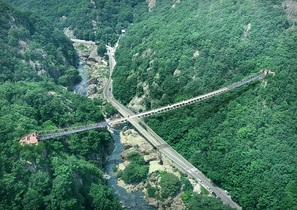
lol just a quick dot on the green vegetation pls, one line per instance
(136, 171)
(59, 174)
(170, 185)
(98, 20)
(62, 173)
(205, 203)
(243, 140)
(187, 189)
(151, 191)
(204, 191)
(31, 50)
(187, 186)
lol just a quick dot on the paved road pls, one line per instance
(159, 143)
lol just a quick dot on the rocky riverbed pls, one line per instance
(96, 68)
(133, 142)
(131, 195)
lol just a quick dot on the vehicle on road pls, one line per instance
(214, 194)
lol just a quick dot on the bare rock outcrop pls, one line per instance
(151, 4)
(133, 142)
(151, 157)
(153, 202)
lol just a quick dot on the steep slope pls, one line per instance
(245, 141)
(31, 49)
(97, 20)
(189, 49)
(63, 173)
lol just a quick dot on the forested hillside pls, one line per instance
(63, 173)
(32, 49)
(245, 140)
(97, 20)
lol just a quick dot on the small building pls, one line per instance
(29, 139)
(123, 31)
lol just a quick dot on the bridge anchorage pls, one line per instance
(35, 137)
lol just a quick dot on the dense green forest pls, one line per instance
(136, 171)
(33, 50)
(244, 140)
(98, 20)
(59, 174)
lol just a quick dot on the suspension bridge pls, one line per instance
(44, 135)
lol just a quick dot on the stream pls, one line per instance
(130, 200)
(81, 88)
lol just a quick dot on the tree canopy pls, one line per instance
(64, 173)
(136, 171)
(243, 140)
(33, 50)
(98, 20)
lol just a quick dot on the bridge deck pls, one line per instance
(44, 135)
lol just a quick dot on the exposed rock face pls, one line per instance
(69, 33)
(93, 81)
(92, 89)
(151, 157)
(175, 2)
(247, 30)
(136, 104)
(97, 69)
(151, 4)
(176, 73)
(96, 83)
(196, 54)
(106, 150)
(153, 202)
(133, 142)
(291, 9)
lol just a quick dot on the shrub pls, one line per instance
(134, 173)
(170, 184)
(151, 191)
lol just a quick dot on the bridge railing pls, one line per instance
(196, 99)
(43, 135)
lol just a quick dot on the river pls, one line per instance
(81, 88)
(131, 200)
